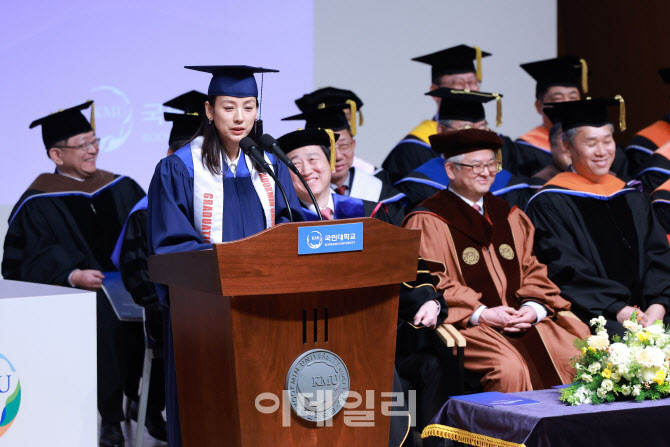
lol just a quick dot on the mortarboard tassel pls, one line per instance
(352, 121)
(333, 149)
(92, 115)
(585, 76)
(360, 117)
(478, 60)
(498, 109)
(622, 113)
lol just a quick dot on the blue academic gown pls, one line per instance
(170, 227)
(431, 177)
(346, 207)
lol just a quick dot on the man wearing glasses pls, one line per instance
(456, 67)
(62, 231)
(346, 179)
(498, 294)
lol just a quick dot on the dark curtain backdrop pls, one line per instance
(625, 42)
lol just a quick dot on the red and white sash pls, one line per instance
(208, 195)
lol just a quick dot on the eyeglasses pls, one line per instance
(95, 142)
(483, 126)
(492, 166)
(343, 146)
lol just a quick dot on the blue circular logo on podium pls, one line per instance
(314, 240)
(10, 394)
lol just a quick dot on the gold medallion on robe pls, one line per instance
(506, 252)
(470, 256)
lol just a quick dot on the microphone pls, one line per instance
(271, 146)
(248, 146)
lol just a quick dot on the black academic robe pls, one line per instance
(660, 203)
(130, 257)
(418, 357)
(655, 171)
(61, 224)
(645, 142)
(602, 245)
(411, 152)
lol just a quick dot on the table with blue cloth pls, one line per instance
(553, 423)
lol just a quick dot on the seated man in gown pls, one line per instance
(62, 231)
(498, 293)
(313, 152)
(597, 235)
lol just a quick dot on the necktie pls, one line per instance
(477, 208)
(341, 189)
(327, 213)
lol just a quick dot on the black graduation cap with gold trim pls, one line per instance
(232, 80)
(64, 124)
(453, 60)
(567, 71)
(587, 112)
(185, 125)
(333, 96)
(665, 74)
(325, 138)
(330, 117)
(465, 105)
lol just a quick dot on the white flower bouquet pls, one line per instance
(635, 366)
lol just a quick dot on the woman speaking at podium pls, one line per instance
(209, 191)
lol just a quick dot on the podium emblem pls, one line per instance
(317, 385)
(314, 240)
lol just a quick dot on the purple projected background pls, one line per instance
(128, 56)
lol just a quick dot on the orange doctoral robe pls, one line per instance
(477, 258)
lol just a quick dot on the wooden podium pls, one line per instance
(245, 310)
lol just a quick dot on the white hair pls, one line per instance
(456, 159)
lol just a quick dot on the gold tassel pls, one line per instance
(93, 116)
(360, 117)
(585, 76)
(498, 109)
(321, 105)
(352, 120)
(333, 149)
(463, 436)
(622, 113)
(478, 61)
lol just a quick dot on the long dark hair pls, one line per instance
(212, 147)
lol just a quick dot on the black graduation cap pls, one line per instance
(64, 124)
(325, 138)
(587, 112)
(327, 96)
(568, 71)
(185, 125)
(333, 96)
(465, 105)
(192, 102)
(331, 117)
(232, 80)
(665, 74)
(454, 60)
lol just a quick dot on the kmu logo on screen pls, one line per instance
(10, 394)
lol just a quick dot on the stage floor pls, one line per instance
(130, 433)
